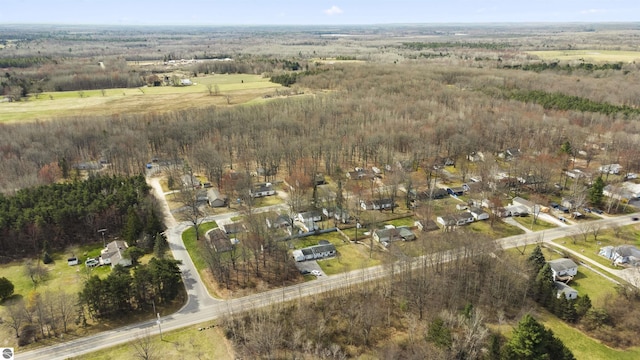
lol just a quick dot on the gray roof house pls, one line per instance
(623, 254)
(113, 254)
(563, 268)
(314, 252)
(215, 199)
(219, 240)
(566, 290)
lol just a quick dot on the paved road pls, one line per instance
(201, 307)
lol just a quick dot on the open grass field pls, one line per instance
(629, 235)
(187, 343)
(240, 89)
(68, 279)
(583, 346)
(588, 55)
(499, 230)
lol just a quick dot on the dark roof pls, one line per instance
(219, 240)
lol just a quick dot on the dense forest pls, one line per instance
(57, 215)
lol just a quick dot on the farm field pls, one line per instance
(588, 55)
(234, 89)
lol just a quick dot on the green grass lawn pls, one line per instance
(406, 221)
(590, 248)
(191, 244)
(187, 343)
(499, 229)
(538, 226)
(583, 346)
(240, 88)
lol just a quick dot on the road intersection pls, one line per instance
(201, 307)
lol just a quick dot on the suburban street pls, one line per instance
(201, 307)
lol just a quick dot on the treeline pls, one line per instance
(22, 62)
(559, 101)
(455, 44)
(439, 311)
(61, 214)
(120, 293)
(542, 66)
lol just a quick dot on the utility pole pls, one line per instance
(102, 231)
(158, 318)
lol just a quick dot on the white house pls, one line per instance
(478, 214)
(566, 290)
(611, 169)
(623, 254)
(377, 204)
(314, 252)
(262, 189)
(518, 201)
(309, 216)
(114, 255)
(562, 268)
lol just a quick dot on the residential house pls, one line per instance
(613, 169)
(377, 204)
(314, 216)
(386, 235)
(626, 191)
(426, 225)
(455, 191)
(278, 221)
(315, 252)
(623, 254)
(569, 203)
(360, 174)
(307, 225)
(190, 181)
(405, 233)
(234, 228)
(218, 240)
(514, 210)
(262, 189)
(114, 255)
(566, 290)
(563, 268)
(475, 156)
(478, 214)
(529, 205)
(434, 193)
(458, 219)
(215, 199)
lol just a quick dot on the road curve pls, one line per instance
(201, 309)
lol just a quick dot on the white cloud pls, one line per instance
(334, 10)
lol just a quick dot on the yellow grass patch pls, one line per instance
(233, 89)
(588, 55)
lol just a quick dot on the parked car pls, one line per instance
(316, 272)
(587, 210)
(635, 218)
(305, 272)
(554, 205)
(597, 211)
(91, 262)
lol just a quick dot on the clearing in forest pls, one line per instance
(224, 90)
(588, 55)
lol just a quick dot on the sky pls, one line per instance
(312, 12)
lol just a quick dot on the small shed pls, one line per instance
(566, 290)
